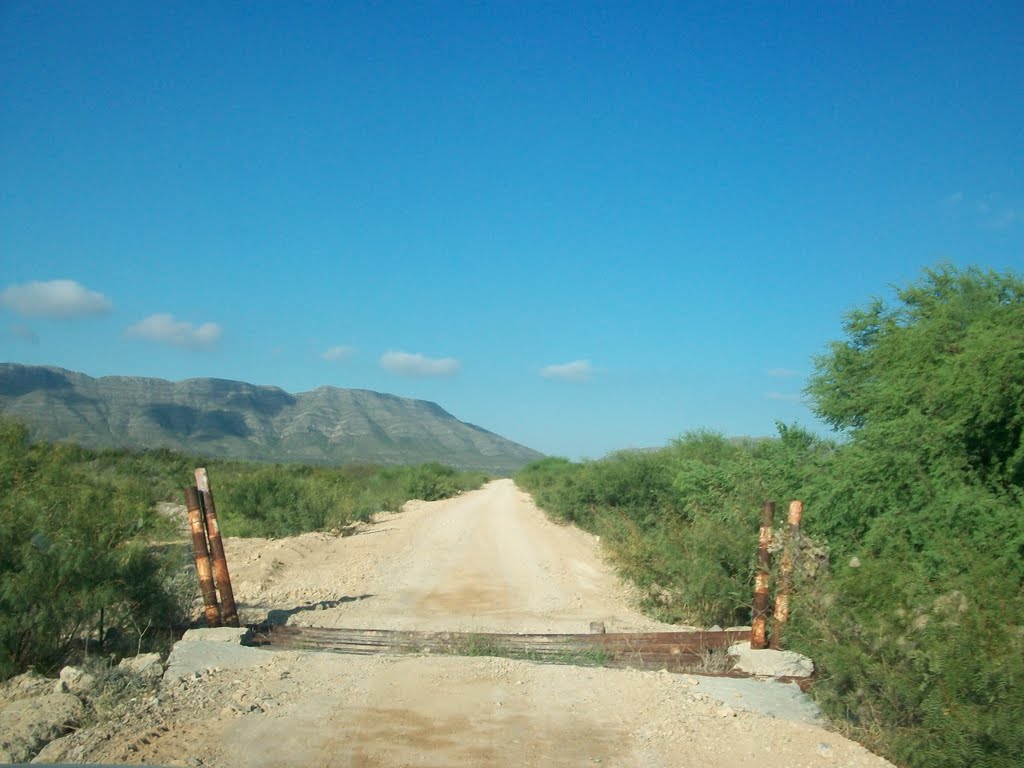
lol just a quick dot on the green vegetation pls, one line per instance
(680, 521)
(80, 540)
(910, 592)
(485, 645)
(286, 499)
(71, 545)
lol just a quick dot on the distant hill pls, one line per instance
(232, 419)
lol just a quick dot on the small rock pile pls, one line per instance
(38, 713)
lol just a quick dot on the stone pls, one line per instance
(146, 665)
(267, 703)
(75, 680)
(59, 750)
(27, 679)
(28, 725)
(27, 684)
(770, 663)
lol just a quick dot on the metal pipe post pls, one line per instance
(759, 629)
(786, 566)
(202, 553)
(220, 561)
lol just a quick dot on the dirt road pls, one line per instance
(489, 561)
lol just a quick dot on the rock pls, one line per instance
(146, 665)
(24, 685)
(267, 703)
(28, 725)
(57, 751)
(824, 749)
(75, 680)
(769, 663)
(727, 712)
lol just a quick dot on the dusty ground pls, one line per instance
(489, 561)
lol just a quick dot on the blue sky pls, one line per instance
(582, 226)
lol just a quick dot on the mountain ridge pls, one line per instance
(223, 418)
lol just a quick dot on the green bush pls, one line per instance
(284, 499)
(682, 522)
(917, 624)
(927, 495)
(79, 537)
(71, 546)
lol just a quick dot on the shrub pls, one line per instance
(917, 626)
(78, 532)
(71, 546)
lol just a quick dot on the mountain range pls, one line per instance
(217, 418)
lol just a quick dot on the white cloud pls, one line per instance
(56, 299)
(577, 370)
(989, 212)
(785, 397)
(339, 353)
(165, 329)
(783, 373)
(1006, 218)
(24, 333)
(407, 364)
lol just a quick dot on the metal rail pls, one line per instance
(675, 651)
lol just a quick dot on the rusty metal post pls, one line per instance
(796, 515)
(781, 613)
(202, 553)
(759, 629)
(220, 561)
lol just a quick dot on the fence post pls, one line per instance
(759, 630)
(781, 614)
(220, 561)
(202, 553)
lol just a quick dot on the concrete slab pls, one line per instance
(231, 635)
(204, 649)
(767, 697)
